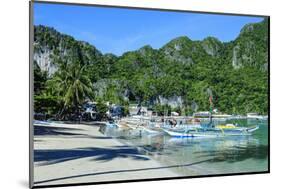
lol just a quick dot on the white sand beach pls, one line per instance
(72, 153)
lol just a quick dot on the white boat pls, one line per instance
(221, 116)
(255, 116)
(134, 128)
(149, 130)
(180, 126)
(213, 132)
(186, 134)
(202, 114)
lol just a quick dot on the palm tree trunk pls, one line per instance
(60, 113)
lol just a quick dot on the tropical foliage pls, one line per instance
(235, 72)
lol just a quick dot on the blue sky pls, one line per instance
(117, 30)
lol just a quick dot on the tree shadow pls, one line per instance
(236, 153)
(47, 157)
(48, 130)
(92, 137)
(123, 171)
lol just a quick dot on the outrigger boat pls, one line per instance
(210, 130)
(180, 126)
(217, 131)
(138, 128)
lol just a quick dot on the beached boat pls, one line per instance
(150, 130)
(217, 131)
(135, 127)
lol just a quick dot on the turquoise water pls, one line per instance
(192, 156)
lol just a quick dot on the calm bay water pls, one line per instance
(194, 156)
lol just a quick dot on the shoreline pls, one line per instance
(77, 153)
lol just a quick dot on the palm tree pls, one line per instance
(72, 84)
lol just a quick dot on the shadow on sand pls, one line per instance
(122, 171)
(47, 157)
(48, 130)
(55, 131)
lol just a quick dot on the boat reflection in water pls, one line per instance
(203, 156)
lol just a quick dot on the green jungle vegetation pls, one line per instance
(234, 73)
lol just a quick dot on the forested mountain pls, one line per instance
(181, 74)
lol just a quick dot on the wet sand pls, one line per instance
(72, 153)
